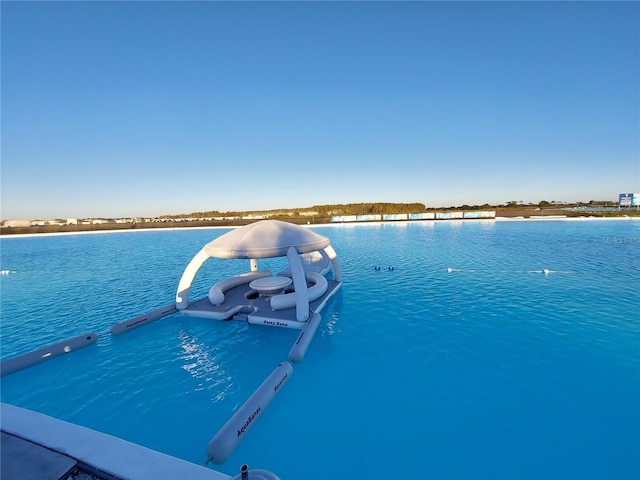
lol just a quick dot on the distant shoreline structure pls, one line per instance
(329, 214)
(546, 218)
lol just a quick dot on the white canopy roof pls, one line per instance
(265, 239)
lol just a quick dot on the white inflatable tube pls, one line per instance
(299, 284)
(140, 320)
(299, 349)
(20, 362)
(322, 304)
(229, 436)
(288, 300)
(335, 263)
(184, 287)
(216, 293)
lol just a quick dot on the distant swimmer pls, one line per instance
(376, 268)
(390, 268)
(546, 271)
(449, 269)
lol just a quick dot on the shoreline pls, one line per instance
(541, 218)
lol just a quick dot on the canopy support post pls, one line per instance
(300, 285)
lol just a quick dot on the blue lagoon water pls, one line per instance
(466, 360)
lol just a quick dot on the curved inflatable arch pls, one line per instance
(315, 291)
(216, 293)
(184, 286)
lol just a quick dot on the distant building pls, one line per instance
(17, 223)
(629, 200)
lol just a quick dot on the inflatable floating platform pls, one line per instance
(287, 299)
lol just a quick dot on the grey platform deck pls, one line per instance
(24, 460)
(236, 296)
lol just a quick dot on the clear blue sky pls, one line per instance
(151, 108)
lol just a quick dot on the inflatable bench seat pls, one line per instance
(315, 291)
(216, 293)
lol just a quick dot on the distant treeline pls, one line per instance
(368, 208)
(380, 208)
(322, 210)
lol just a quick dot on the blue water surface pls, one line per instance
(491, 350)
